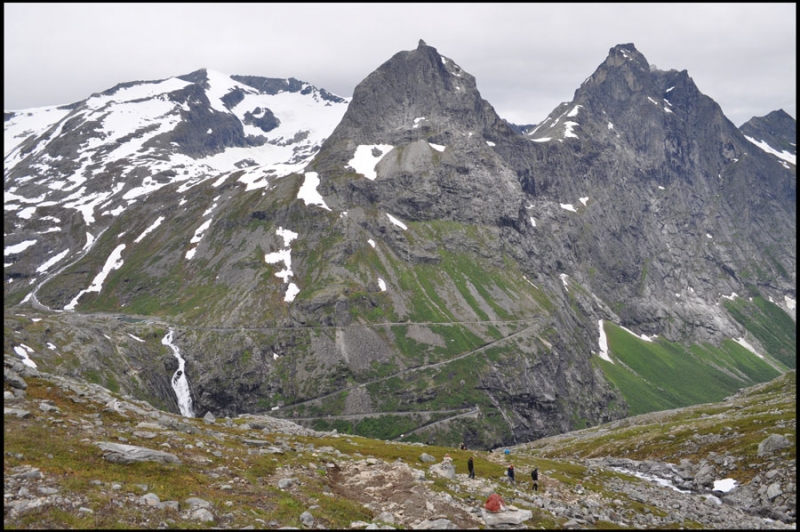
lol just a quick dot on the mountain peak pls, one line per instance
(626, 54)
(411, 85)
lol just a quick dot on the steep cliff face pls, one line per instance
(426, 262)
(677, 202)
(436, 132)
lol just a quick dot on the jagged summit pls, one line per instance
(412, 93)
(421, 114)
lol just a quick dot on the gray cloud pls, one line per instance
(527, 58)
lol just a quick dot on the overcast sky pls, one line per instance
(526, 58)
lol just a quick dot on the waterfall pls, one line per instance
(179, 381)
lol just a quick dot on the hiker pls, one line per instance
(511, 473)
(535, 479)
(463, 447)
(471, 467)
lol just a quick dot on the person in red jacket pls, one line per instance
(511, 473)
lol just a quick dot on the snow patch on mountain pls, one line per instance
(285, 256)
(198, 236)
(367, 157)
(603, 343)
(114, 262)
(24, 352)
(744, 343)
(308, 191)
(18, 248)
(784, 155)
(28, 123)
(397, 222)
(52, 262)
(149, 230)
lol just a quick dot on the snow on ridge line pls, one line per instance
(574, 111)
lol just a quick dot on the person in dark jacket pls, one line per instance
(535, 479)
(471, 467)
(511, 473)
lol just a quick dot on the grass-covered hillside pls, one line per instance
(656, 374)
(261, 472)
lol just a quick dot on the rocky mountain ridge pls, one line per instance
(426, 262)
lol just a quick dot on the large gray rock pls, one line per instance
(196, 502)
(509, 517)
(774, 442)
(18, 412)
(127, 454)
(445, 469)
(307, 519)
(202, 514)
(13, 379)
(436, 524)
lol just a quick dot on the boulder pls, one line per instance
(436, 524)
(307, 519)
(196, 502)
(774, 442)
(445, 469)
(127, 454)
(508, 517)
(16, 412)
(202, 514)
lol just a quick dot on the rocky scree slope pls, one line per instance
(77, 455)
